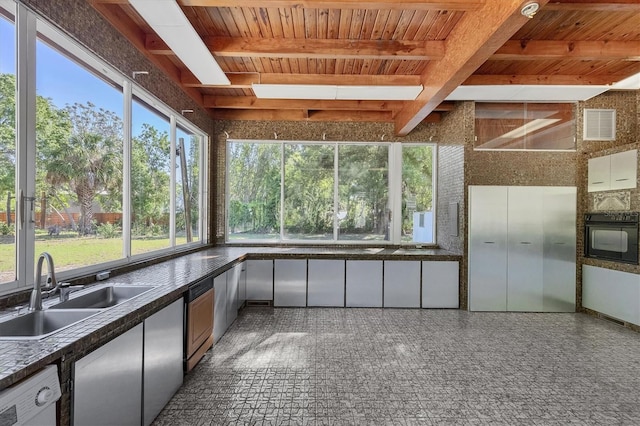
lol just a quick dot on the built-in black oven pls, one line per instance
(612, 236)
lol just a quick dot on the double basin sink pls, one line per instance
(38, 324)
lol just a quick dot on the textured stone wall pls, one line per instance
(627, 106)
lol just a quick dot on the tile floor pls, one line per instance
(405, 367)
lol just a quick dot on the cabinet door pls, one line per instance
(200, 321)
(559, 223)
(624, 166)
(233, 280)
(599, 173)
(219, 306)
(524, 254)
(364, 283)
(259, 279)
(290, 282)
(325, 283)
(107, 386)
(242, 285)
(440, 284)
(613, 293)
(163, 355)
(401, 284)
(487, 248)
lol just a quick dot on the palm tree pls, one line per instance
(89, 162)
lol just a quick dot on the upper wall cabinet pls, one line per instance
(615, 171)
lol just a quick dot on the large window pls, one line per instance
(330, 192)
(93, 169)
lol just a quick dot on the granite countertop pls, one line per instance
(21, 358)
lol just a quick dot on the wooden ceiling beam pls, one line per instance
(482, 80)
(476, 37)
(531, 50)
(244, 81)
(251, 102)
(594, 5)
(409, 50)
(312, 115)
(342, 4)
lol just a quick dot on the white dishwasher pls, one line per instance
(31, 402)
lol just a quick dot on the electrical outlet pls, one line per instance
(102, 275)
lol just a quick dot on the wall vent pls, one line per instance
(599, 125)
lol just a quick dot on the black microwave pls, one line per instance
(612, 236)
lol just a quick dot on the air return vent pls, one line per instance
(599, 124)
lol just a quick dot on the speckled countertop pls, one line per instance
(20, 358)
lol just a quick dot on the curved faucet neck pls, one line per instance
(35, 302)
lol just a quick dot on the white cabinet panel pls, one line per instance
(107, 386)
(522, 247)
(219, 306)
(163, 356)
(599, 173)
(559, 249)
(624, 167)
(401, 284)
(615, 171)
(364, 283)
(233, 282)
(524, 250)
(290, 282)
(612, 293)
(242, 285)
(440, 284)
(487, 248)
(325, 282)
(259, 279)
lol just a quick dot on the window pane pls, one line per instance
(7, 145)
(417, 193)
(78, 211)
(308, 191)
(363, 186)
(531, 126)
(150, 179)
(254, 191)
(187, 186)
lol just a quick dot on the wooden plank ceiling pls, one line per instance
(438, 44)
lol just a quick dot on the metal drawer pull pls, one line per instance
(525, 242)
(489, 242)
(559, 244)
(620, 180)
(597, 183)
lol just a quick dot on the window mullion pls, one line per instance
(126, 167)
(25, 143)
(172, 184)
(281, 191)
(336, 198)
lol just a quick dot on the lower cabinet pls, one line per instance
(364, 283)
(163, 356)
(219, 306)
(290, 283)
(132, 377)
(401, 284)
(440, 284)
(613, 293)
(107, 387)
(325, 283)
(259, 279)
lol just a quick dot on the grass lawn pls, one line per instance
(70, 253)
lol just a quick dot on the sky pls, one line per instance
(66, 83)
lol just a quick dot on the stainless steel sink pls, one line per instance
(39, 324)
(105, 297)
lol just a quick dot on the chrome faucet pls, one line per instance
(35, 304)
